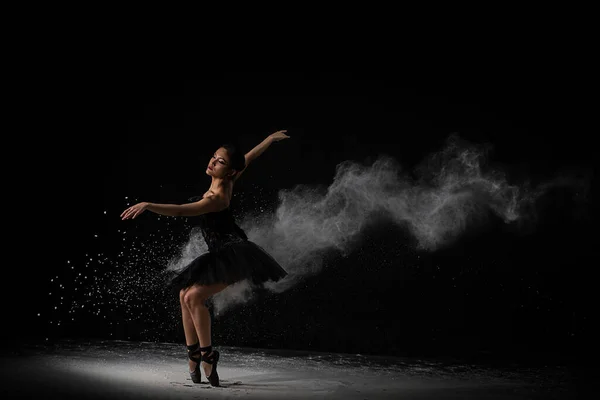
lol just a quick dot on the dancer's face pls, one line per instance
(219, 165)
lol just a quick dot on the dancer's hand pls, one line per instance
(134, 210)
(279, 135)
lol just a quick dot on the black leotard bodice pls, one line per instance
(219, 229)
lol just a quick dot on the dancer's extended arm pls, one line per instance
(261, 147)
(208, 204)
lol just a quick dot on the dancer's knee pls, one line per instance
(194, 297)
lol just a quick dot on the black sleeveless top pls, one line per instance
(219, 228)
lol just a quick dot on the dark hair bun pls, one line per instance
(236, 156)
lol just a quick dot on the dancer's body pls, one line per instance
(231, 256)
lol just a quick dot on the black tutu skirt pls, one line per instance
(243, 260)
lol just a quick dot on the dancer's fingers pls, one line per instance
(127, 213)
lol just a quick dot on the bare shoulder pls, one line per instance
(218, 201)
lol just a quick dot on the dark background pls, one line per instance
(496, 294)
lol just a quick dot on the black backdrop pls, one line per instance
(126, 135)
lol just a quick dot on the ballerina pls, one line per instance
(231, 257)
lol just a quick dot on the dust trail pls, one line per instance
(450, 192)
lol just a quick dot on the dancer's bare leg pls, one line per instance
(195, 298)
(188, 325)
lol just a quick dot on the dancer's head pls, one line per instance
(226, 162)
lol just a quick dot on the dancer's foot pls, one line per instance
(194, 362)
(209, 364)
(206, 366)
(193, 365)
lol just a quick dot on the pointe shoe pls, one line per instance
(211, 357)
(195, 374)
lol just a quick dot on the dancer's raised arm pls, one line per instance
(261, 147)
